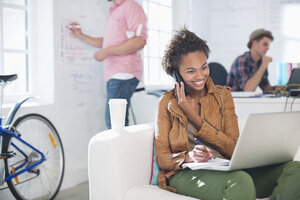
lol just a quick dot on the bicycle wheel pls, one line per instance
(44, 180)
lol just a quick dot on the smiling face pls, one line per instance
(262, 46)
(194, 71)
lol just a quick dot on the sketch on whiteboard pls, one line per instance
(82, 75)
(72, 50)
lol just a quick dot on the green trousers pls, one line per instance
(280, 181)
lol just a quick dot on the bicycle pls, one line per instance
(31, 154)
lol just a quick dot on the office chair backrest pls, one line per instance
(218, 73)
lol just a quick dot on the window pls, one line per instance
(14, 43)
(159, 13)
(26, 48)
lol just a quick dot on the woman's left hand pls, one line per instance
(101, 55)
(200, 153)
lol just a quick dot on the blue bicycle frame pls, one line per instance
(5, 131)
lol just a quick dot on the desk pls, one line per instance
(245, 106)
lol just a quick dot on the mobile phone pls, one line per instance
(178, 78)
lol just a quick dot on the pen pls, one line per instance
(74, 26)
(198, 142)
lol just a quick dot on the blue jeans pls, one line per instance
(119, 89)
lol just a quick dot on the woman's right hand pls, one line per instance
(74, 26)
(200, 153)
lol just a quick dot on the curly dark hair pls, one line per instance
(182, 43)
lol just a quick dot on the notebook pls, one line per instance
(266, 138)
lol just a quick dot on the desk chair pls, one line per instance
(131, 108)
(157, 93)
(218, 73)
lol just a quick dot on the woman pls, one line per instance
(207, 113)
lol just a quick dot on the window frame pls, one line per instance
(24, 51)
(167, 82)
(39, 51)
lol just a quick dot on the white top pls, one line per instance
(122, 76)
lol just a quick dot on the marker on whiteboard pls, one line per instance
(74, 26)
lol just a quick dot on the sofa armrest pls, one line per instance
(119, 160)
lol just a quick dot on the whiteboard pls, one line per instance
(226, 25)
(81, 82)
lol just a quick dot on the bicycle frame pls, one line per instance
(5, 131)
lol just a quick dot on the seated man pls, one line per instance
(250, 69)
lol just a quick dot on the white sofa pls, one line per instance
(119, 166)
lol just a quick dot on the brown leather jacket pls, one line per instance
(219, 129)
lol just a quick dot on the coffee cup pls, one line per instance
(117, 108)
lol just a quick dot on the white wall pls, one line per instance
(226, 25)
(180, 13)
(79, 86)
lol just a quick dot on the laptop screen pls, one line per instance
(295, 77)
(294, 81)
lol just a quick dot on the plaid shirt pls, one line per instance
(242, 69)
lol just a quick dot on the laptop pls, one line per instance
(292, 87)
(294, 81)
(266, 139)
